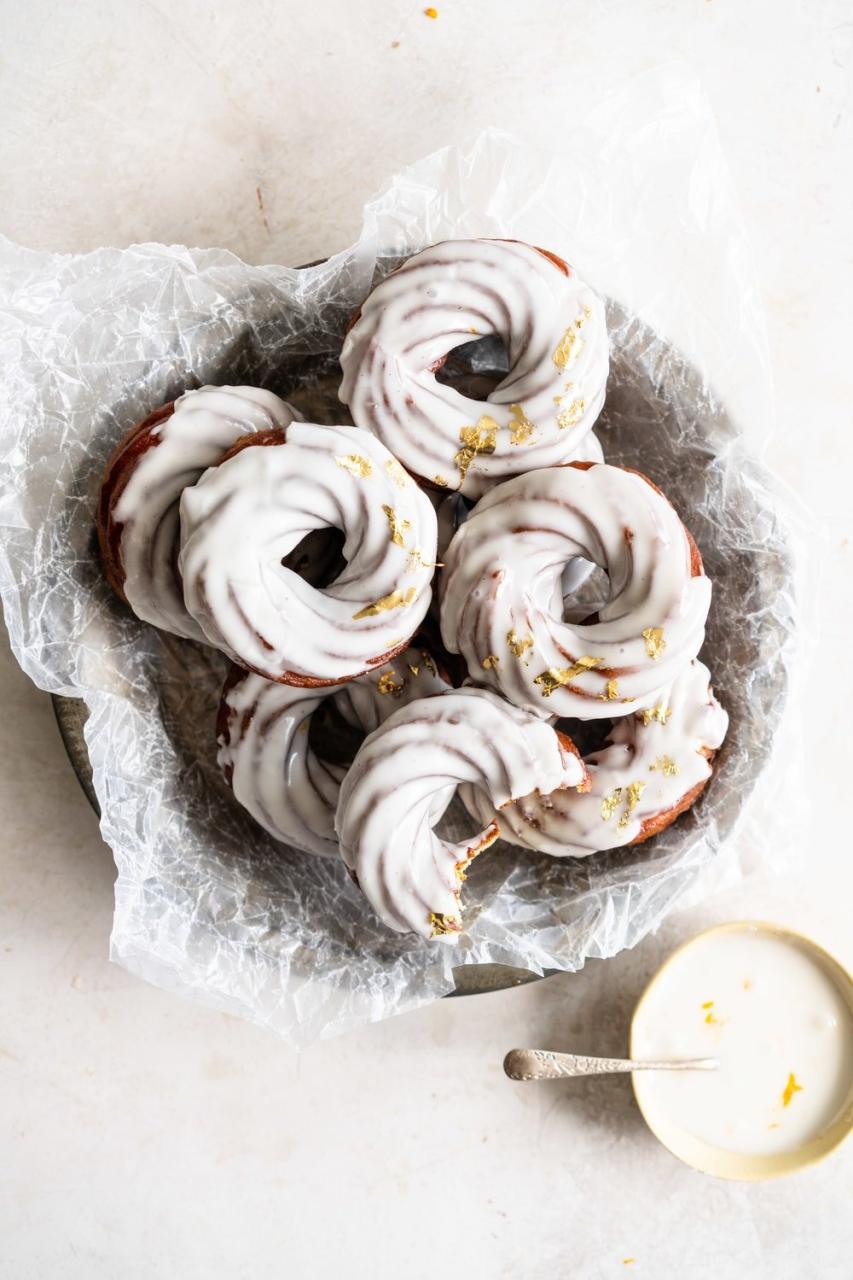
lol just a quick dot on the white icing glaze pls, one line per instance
(266, 755)
(404, 776)
(502, 602)
(203, 426)
(244, 516)
(367, 702)
(779, 1022)
(652, 760)
(554, 329)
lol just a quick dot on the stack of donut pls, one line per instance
(211, 521)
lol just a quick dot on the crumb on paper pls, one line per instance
(790, 1089)
(395, 44)
(260, 199)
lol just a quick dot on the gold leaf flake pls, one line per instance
(428, 662)
(477, 440)
(655, 643)
(398, 527)
(558, 400)
(611, 691)
(667, 766)
(521, 427)
(416, 561)
(443, 924)
(633, 791)
(476, 332)
(356, 465)
(387, 684)
(661, 713)
(790, 1089)
(555, 677)
(571, 417)
(611, 803)
(708, 1004)
(395, 600)
(414, 668)
(518, 646)
(491, 661)
(569, 345)
(440, 481)
(397, 474)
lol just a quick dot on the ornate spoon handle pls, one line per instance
(541, 1064)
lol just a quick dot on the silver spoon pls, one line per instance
(542, 1064)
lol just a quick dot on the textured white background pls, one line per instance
(142, 1137)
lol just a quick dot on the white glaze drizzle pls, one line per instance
(367, 702)
(266, 753)
(204, 425)
(404, 776)
(502, 600)
(650, 762)
(554, 329)
(244, 516)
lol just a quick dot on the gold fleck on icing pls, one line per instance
(667, 766)
(661, 713)
(474, 330)
(710, 1019)
(708, 1004)
(356, 465)
(395, 600)
(480, 439)
(414, 668)
(558, 400)
(397, 474)
(571, 417)
(428, 662)
(440, 481)
(555, 677)
(791, 1088)
(611, 691)
(416, 561)
(518, 646)
(521, 427)
(655, 643)
(387, 684)
(398, 527)
(633, 791)
(611, 803)
(491, 661)
(563, 351)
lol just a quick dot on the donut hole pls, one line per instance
(587, 735)
(585, 589)
(318, 557)
(475, 368)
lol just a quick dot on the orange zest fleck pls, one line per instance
(790, 1089)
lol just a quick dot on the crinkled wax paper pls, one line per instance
(206, 903)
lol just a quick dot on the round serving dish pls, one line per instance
(661, 418)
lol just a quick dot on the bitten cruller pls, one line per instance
(653, 767)
(403, 778)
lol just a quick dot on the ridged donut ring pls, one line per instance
(265, 752)
(653, 767)
(246, 514)
(145, 477)
(555, 334)
(403, 778)
(502, 599)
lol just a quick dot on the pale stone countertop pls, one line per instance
(145, 1137)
